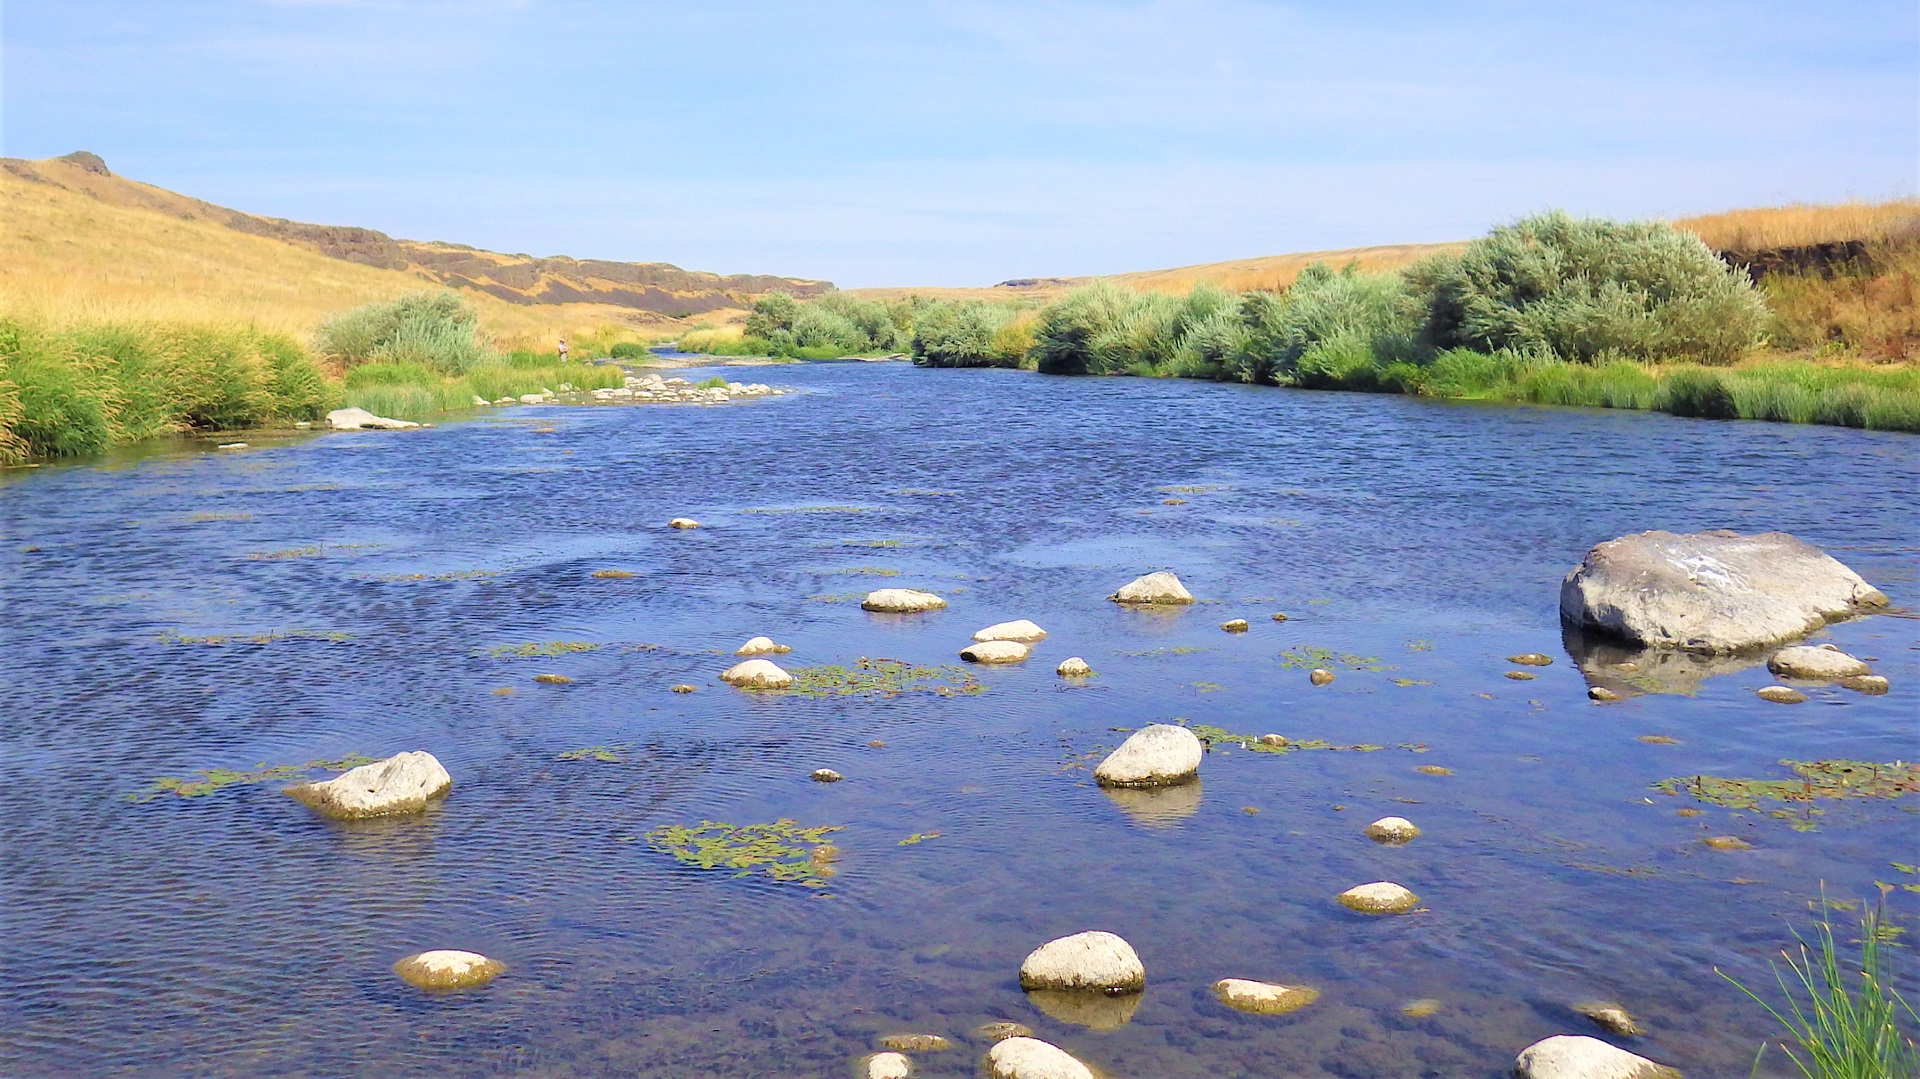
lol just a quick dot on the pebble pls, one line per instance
(1392, 830)
(1320, 676)
(1073, 667)
(1531, 659)
(1780, 694)
(1263, 998)
(1234, 625)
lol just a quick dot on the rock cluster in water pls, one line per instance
(653, 389)
(403, 783)
(1711, 592)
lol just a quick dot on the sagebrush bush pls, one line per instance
(963, 335)
(437, 329)
(1360, 310)
(1581, 288)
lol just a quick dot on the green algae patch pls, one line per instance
(601, 754)
(870, 543)
(1796, 799)
(1405, 682)
(456, 575)
(208, 518)
(334, 636)
(1220, 736)
(1307, 657)
(919, 837)
(1154, 653)
(782, 851)
(810, 509)
(540, 649)
(210, 780)
(871, 677)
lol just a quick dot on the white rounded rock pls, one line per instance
(1161, 587)
(1568, 1056)
(1816, 664)
(1031, 1058)
(761, 646)
(1092, 961)
(683, 522)
(1263, 998)
(1073, 667)
(901, 601)
(1020, 630)
(448, 969)
(995, 652)
(403, 783)
(359, 419)
(888, 1066)
(757, 674)
(1153, 756)
(1392, 830)
(1379, 897)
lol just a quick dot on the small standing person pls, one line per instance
(563, 350)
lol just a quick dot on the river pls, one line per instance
(300, 599)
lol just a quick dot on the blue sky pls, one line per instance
(938, 143)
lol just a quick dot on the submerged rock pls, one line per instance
(1531, 659)
(359, 419)
(1380, 897)
(683, 522)
(1568, 1056)
(1263, 998)
(403, 783)
(1153, 756)
(1392, 831)
(446, 969)
(1816, 664)
(757, 674)
(1001, 1030)
(915, 1043)
(1726, 842)
(1073, 667)
(1711, 591)
(1094, 961)
(1610, 1016)
(1421, 1009)
(901, 601)
(1161, 587)
(1870, 684)
(1780, 694)
(761, 646)
(1031, 1058)
(1020, 630)
(1320, 676)
(995, 652)
(888, 1066)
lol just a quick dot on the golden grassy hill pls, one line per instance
(78, 242)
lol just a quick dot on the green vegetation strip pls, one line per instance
(1812, 782)
(601, 754)
(1251, 742)
(209, 780)
(540, 649)
(1304, 657)
(336, 636)
(780, 850)
(882, 678)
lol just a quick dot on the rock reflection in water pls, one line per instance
(1096, 1011)
(1156, 807)
(1630, 670)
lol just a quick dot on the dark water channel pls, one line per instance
(236, 934)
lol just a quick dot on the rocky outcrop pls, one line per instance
(1073, 667)
(1566, 1056)
(761, 646)
(1084, 962)
(1711, 592)
(359, 419)
(1392, 831)
(1823, 664)
(995, 652)
(1379, 897)
(1030, 1058)
(1155, 588)
(403, 783)
(1021, 630)
(901, 601)
(1153, 756)
(448, 969)
(757, 674)
(1263, 998)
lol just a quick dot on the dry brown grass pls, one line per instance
(68, 257)
(1802, 224)
(1276, 271)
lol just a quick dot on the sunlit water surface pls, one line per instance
(236, 934)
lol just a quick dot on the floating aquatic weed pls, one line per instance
(871, 677)
(456, 575)
(870, 571)
(170, 637)
(207, 518)
(1150, 653)
(1902, 867)
(602, 754)
(779, 850)
(541, 649)
(837, 597)
(926, 492)
(1418, 645)
(1658, 740)
(1433, 770)
(1814, 781)
(1205, 687)
(919, 837)
(1191, 489)
(208, 780)
(1307, 657)
(1221, 736)
(313, 551)
(870, 543)
(1404, 682)
(811, 509)
(611, 574)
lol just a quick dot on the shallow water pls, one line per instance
(236, 934)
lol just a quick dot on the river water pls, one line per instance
(386, 573)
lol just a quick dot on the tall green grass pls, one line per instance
(433, 329)
(85, 388)
(1842, 1016)
(409, 391)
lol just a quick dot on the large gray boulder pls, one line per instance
(1567, 1056)
(1157, 588)
(359, 419)
(403, 783)
(1031, 1058)
(1711, 591)
(1084, 962)
(1153, 756)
